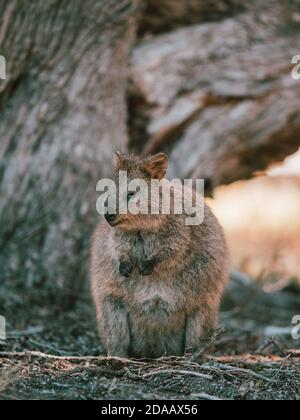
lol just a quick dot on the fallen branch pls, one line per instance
(177, 372)
(247, 359)
(40, 355)
(234, 369)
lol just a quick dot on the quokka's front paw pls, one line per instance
(147, 267)
(125, 268)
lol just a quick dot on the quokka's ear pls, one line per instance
(157, 166)
(118, 160)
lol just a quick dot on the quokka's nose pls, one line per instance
(110, 218)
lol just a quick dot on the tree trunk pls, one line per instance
(219, 97)
(62, 115)
(164, 15)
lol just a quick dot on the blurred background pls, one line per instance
(261, 220)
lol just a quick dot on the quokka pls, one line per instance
(156, 282)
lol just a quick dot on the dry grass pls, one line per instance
(211, 378)
(60, 360)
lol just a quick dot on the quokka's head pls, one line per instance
(134, 192)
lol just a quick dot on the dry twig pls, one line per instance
(205, 396)
(177, 372)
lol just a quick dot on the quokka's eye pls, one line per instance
(130, 195)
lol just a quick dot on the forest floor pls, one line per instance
(50, 355)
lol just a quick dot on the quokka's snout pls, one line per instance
(156, 282)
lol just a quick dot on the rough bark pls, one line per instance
(219, 97)
(62, 114)
(163, 15)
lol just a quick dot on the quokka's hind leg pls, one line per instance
(113, 327)
(199, 329)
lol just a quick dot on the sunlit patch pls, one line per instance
(262, 223)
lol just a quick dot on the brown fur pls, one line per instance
(156, 282)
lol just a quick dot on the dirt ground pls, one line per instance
(50, 355)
